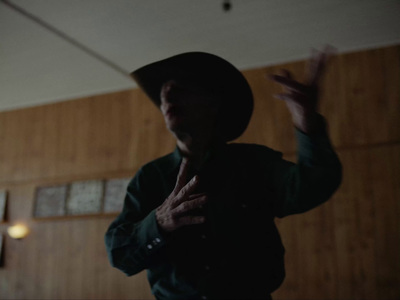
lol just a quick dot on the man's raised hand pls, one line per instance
(302, 98)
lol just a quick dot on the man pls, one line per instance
(201, 219)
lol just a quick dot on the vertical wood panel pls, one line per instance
(349, 248)
(98, 134)
(385, 170)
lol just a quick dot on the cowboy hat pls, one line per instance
(215, 73)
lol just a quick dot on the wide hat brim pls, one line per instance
(216, 74)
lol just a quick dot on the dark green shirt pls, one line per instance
(237, 253)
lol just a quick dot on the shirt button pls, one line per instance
(149, 246)
(157, 240)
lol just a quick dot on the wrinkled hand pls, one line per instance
(176, 210)
(302, 99)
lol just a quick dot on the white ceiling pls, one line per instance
(53, 50)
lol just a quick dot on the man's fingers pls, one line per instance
(190, 205)
(282, 96)
(316, 66)
(288, 83)
(186, 191)
(193, 196)
(318, 62)
(287, 74)
(182, 175)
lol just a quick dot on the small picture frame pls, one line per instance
(3, 205)
(85, 197)
(50, 201)
(114, 195)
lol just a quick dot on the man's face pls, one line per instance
(187, 107)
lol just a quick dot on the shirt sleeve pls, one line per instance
(313, 180)
(133, 241)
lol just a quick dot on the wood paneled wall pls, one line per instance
(349, 248)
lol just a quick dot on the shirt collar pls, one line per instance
(176, 156)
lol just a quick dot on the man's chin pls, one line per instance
(175, 127)
(175, 123)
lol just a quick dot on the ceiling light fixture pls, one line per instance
(226, 5)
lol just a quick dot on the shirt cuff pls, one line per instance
(150, 234)
(315, 149)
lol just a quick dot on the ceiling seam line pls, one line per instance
(66, 38)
